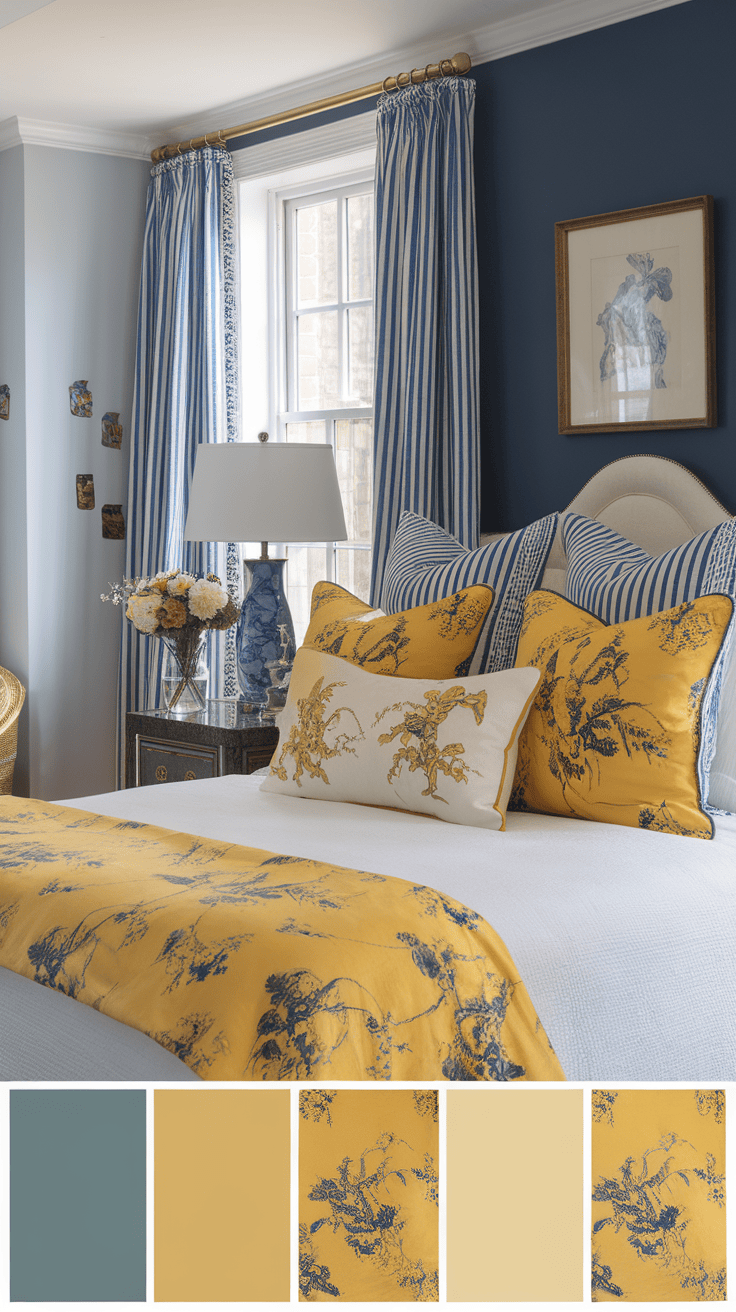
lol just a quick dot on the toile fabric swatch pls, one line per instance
(368, 1196)
(659, 1195)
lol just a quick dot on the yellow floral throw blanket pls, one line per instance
(252, 966)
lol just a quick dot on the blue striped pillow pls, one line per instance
(426, 563)
(616, 580)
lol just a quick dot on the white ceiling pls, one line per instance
(144, 66)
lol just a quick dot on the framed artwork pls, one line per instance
(636, 319)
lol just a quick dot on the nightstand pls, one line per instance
(162, 748)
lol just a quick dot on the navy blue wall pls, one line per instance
(632, 114)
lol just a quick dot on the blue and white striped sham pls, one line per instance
(616, 580)
(426, 563)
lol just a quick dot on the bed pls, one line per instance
(623, 938)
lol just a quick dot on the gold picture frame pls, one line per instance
(623, 363)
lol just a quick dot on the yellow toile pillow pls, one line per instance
(435, 641)
(443, 747)
(614, 732)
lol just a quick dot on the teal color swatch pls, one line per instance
(77, 1195)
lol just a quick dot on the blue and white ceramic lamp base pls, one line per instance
(264, 610)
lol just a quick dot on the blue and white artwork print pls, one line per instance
(635, 348)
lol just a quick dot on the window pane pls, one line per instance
(318, 361)
(306, 566)
(354, 571)
(360, 355)
(313, 431)
(354, 460)
(316, 247)
(360, 247)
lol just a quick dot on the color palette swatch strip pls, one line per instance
(375, 1195)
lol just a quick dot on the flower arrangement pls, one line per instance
(177, 607)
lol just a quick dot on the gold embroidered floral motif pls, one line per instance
(421, 724)
(307, 740)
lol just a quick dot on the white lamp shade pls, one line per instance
(264, 492)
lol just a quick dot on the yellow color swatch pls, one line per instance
(515, 1195)
(221, 1195)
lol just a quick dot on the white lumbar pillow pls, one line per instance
(443, 747)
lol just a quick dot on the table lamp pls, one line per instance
(267, 492)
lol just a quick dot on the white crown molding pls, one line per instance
(554, 21)
(310, 146)
(70, 136)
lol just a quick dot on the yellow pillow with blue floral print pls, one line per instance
(614, 731)
(435, 641)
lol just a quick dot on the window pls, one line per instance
(324, 379)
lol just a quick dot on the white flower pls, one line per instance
(180, 583)
(143, 612)
(205, 599)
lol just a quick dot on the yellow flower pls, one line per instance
(175, 613)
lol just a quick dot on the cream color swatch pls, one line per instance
(515, 1195)
(221, 1196)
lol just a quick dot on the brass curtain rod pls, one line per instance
(457, 66)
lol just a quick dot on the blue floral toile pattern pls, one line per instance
(371, 1195)
(250, 965)
(656, 1231)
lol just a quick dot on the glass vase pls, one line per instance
(184, 672)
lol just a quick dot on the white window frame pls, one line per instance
(283, 313)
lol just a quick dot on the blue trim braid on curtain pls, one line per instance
(427, 447)
(185, 393)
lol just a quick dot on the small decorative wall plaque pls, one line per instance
(80, 399)
(113, 524)
(4, 401)
(112, 431)
(85, 492)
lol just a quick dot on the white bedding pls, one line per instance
(625, 939)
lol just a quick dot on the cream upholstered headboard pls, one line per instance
(651, 500)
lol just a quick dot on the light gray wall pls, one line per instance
(82, 235)
(13, 554)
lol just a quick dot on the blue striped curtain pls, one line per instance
(185, 393)
(426, 398)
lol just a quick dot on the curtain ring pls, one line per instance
(421, 75)
(178, 148)
(384, 88)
